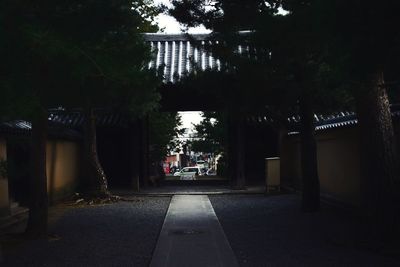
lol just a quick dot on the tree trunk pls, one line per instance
(282, 133)
(309, 163)
(379, 159)
(281, 128)
(240, 155)
(236, 151)
(38, 204)
(144, 151)
(134, 156)
(231, 151)
(96, 180)
(184, 159)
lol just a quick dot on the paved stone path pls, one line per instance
(192, 236)
(261, 230)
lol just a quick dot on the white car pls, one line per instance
(196, 170)
(201, 164)
(211, 171)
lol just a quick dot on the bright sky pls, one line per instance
(189, 118)
(170, 24)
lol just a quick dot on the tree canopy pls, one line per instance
(320, 51)
(82, 54)
(164, 130)
(210, 133)
(66, 54)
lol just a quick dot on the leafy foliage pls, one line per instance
(321, 55)
(59, 53)
(211, 133)
(164, 130)
(287, 53)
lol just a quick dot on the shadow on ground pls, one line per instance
(120, 234)
(272, 231)
(262, 231)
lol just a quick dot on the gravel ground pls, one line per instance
(176, 189)
(121, 234)
(191, 189)
(271, 231)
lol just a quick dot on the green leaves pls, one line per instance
(211, 133)
(69, 53)
(164, 132)
(289, 53)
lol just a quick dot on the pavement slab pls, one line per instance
(192, 236)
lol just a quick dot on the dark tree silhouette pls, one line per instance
(57, 53)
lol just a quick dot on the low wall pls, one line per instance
(62, 168)
(338, 164)
(4, 198)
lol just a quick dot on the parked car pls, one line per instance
(197, 170)
(173, 169)
(211, 171)
(201, 163)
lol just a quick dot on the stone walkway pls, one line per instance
(192, 236)
(261, 231)
(172, 190)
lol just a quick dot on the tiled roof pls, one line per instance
(75, 119)
(65, 124)
(20, 127)
(179, 54)
(15, 127)
(322, 122)
(336, 122)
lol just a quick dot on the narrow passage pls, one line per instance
(192, 236)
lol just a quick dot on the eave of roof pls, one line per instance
(24, 128)
(75, 119)
(180, 54)
(164, 37)
(323, 122)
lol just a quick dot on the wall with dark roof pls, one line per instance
(62, 165)
(338, 164)
(338, 160)
(62, 168)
